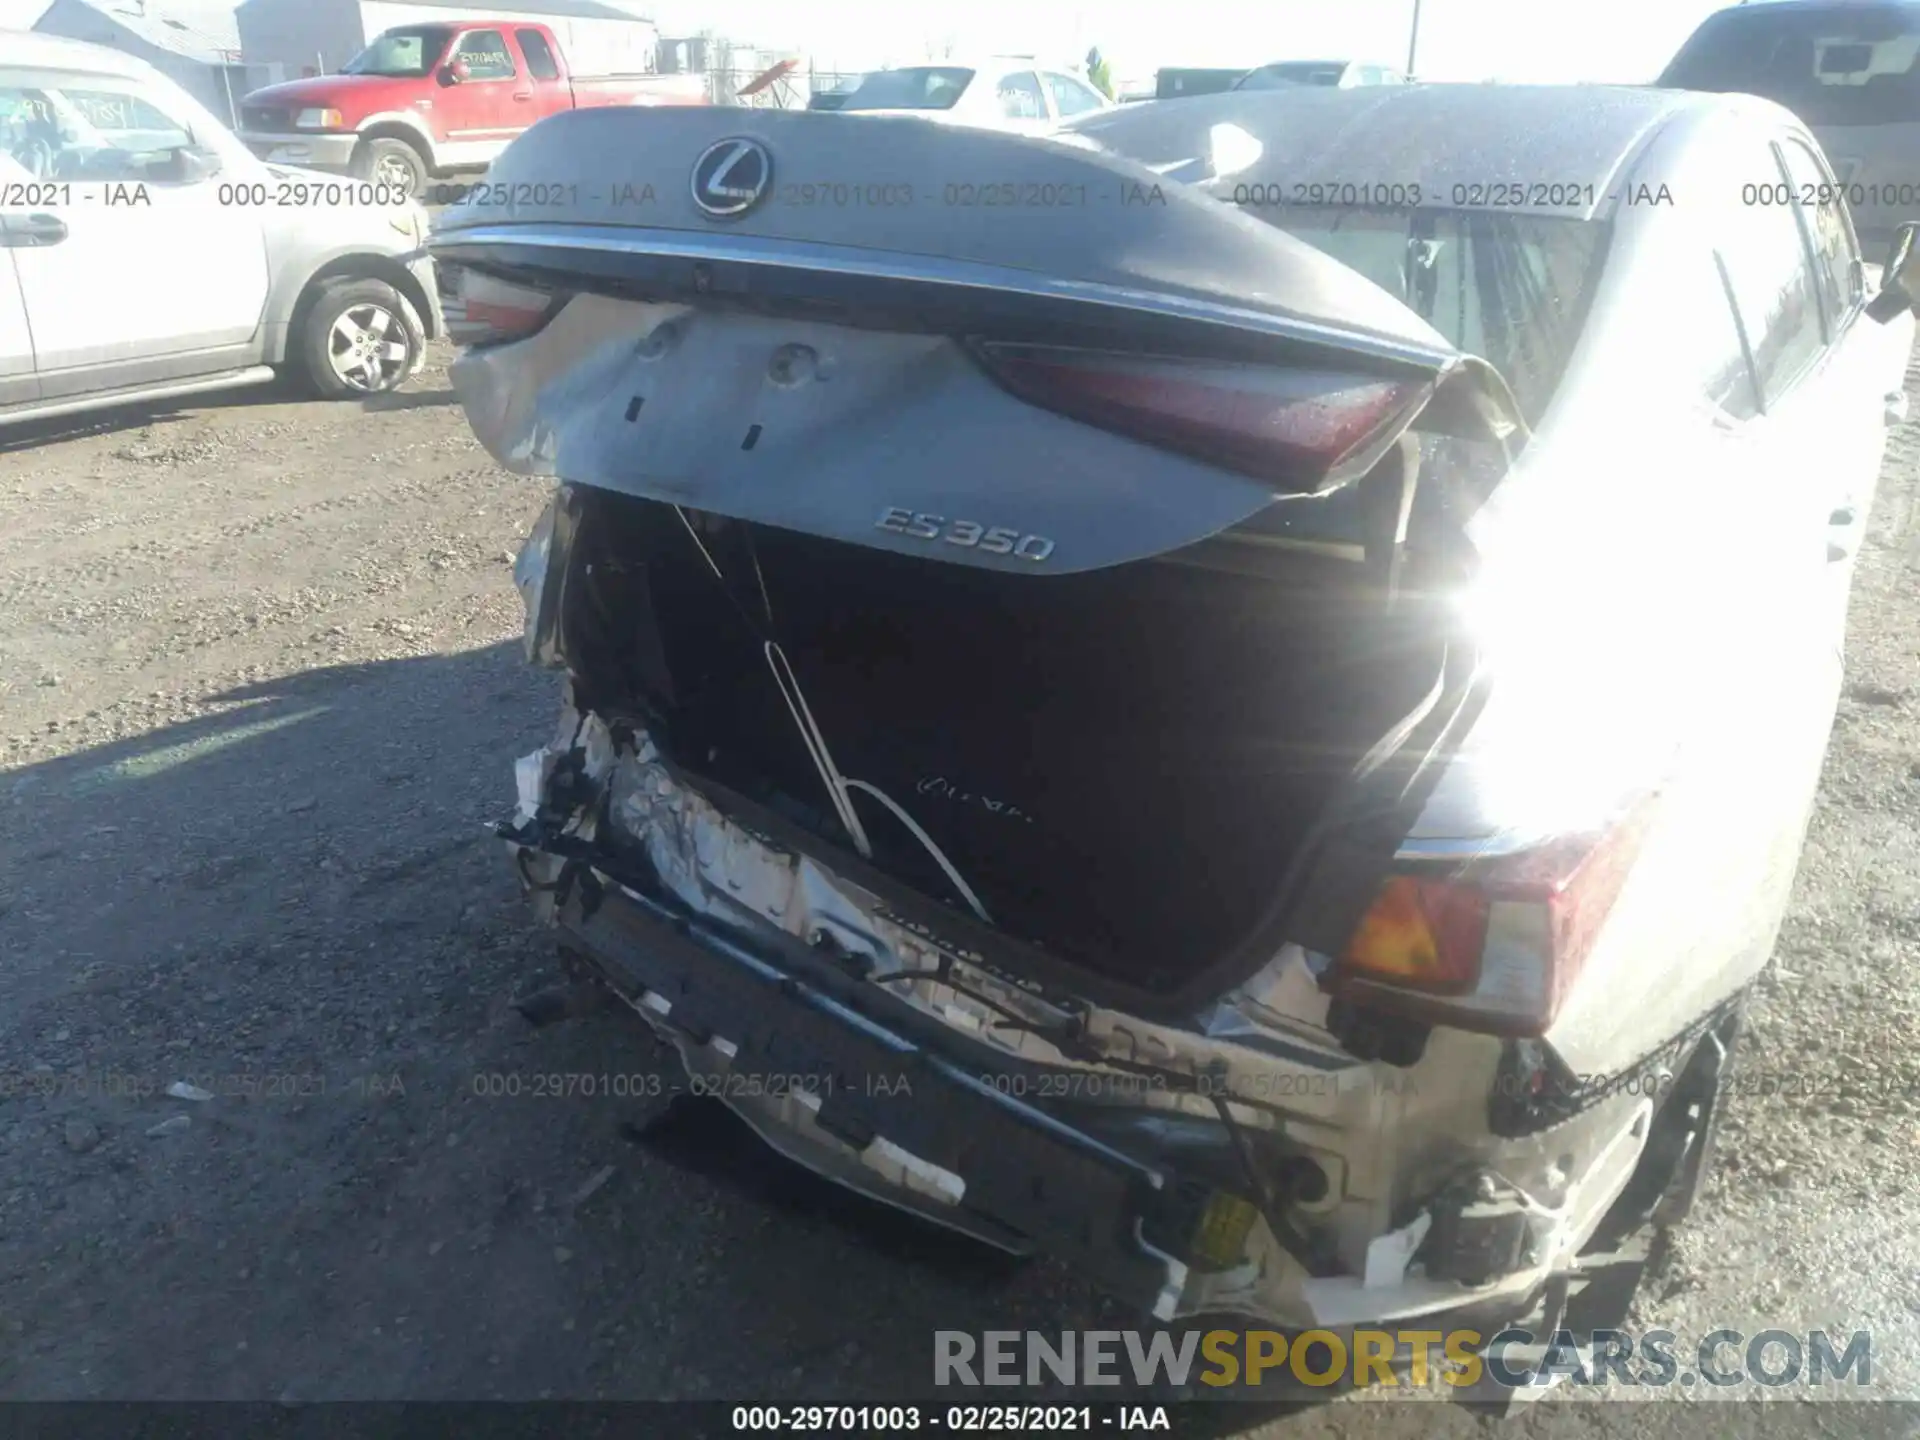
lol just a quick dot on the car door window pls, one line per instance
(98, 130)
(485, 54)
(126, 117)
(1070, 97)
(1771, 280)
(1721, 366)
(1020, 98)
(1829, 231)
(540, 62)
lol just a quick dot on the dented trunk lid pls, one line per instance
(881, 265)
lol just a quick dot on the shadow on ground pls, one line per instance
(32, 434)
(296, 904)
(118, 419)
(408, 400)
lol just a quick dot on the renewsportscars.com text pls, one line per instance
(1460, 1358)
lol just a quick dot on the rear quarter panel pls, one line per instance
(1659, 622)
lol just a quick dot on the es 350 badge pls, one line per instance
(968, 534)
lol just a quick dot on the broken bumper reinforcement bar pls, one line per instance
(1008, 1168)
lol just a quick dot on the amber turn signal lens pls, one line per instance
(1426, 934)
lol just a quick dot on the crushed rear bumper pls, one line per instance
(861, 1095)
(892, 1063)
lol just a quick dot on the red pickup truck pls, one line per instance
(428, 100)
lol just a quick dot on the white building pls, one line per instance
(194, 42)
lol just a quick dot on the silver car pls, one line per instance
(1850, 70)
(1340, 74)
(1232, 698)
(146, 255)
(1003, 92)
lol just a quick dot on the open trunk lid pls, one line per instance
(790, 307)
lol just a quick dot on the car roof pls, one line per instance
(29, 50)
(1769, 6)
(1433, 136)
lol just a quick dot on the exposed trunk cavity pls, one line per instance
(1115, 766)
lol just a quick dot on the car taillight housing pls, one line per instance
(489, 311)
(1294, 427)
(1492, 944)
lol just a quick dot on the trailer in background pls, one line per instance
(1173, 84)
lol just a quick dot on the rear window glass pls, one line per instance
(540, 63)
(1511, 289)
(401, 53)
(485, 55)
(920, 87)
(1840, 66)
(1170, 83)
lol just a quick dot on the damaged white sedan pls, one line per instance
(1255, 747)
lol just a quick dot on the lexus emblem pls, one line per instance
(730, 177)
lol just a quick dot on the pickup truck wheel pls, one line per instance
(393, 162)
(358, 337)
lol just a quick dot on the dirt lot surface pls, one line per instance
(260, 689)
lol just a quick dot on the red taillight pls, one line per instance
(487, 311)
(1293, 427)
(1497, 945)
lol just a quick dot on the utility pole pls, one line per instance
(227, 59)
(1413, 39)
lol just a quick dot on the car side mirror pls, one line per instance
(194, 163)
(1900, 279)
(454, 72)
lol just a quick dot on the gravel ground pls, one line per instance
(259, 691)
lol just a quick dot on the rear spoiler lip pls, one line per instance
(471, 244)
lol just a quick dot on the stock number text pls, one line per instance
(1306, 193)
(308, 194)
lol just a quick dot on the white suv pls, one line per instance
(999, 93)
(1336, 74)
(1849, 70)
(146, 254)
